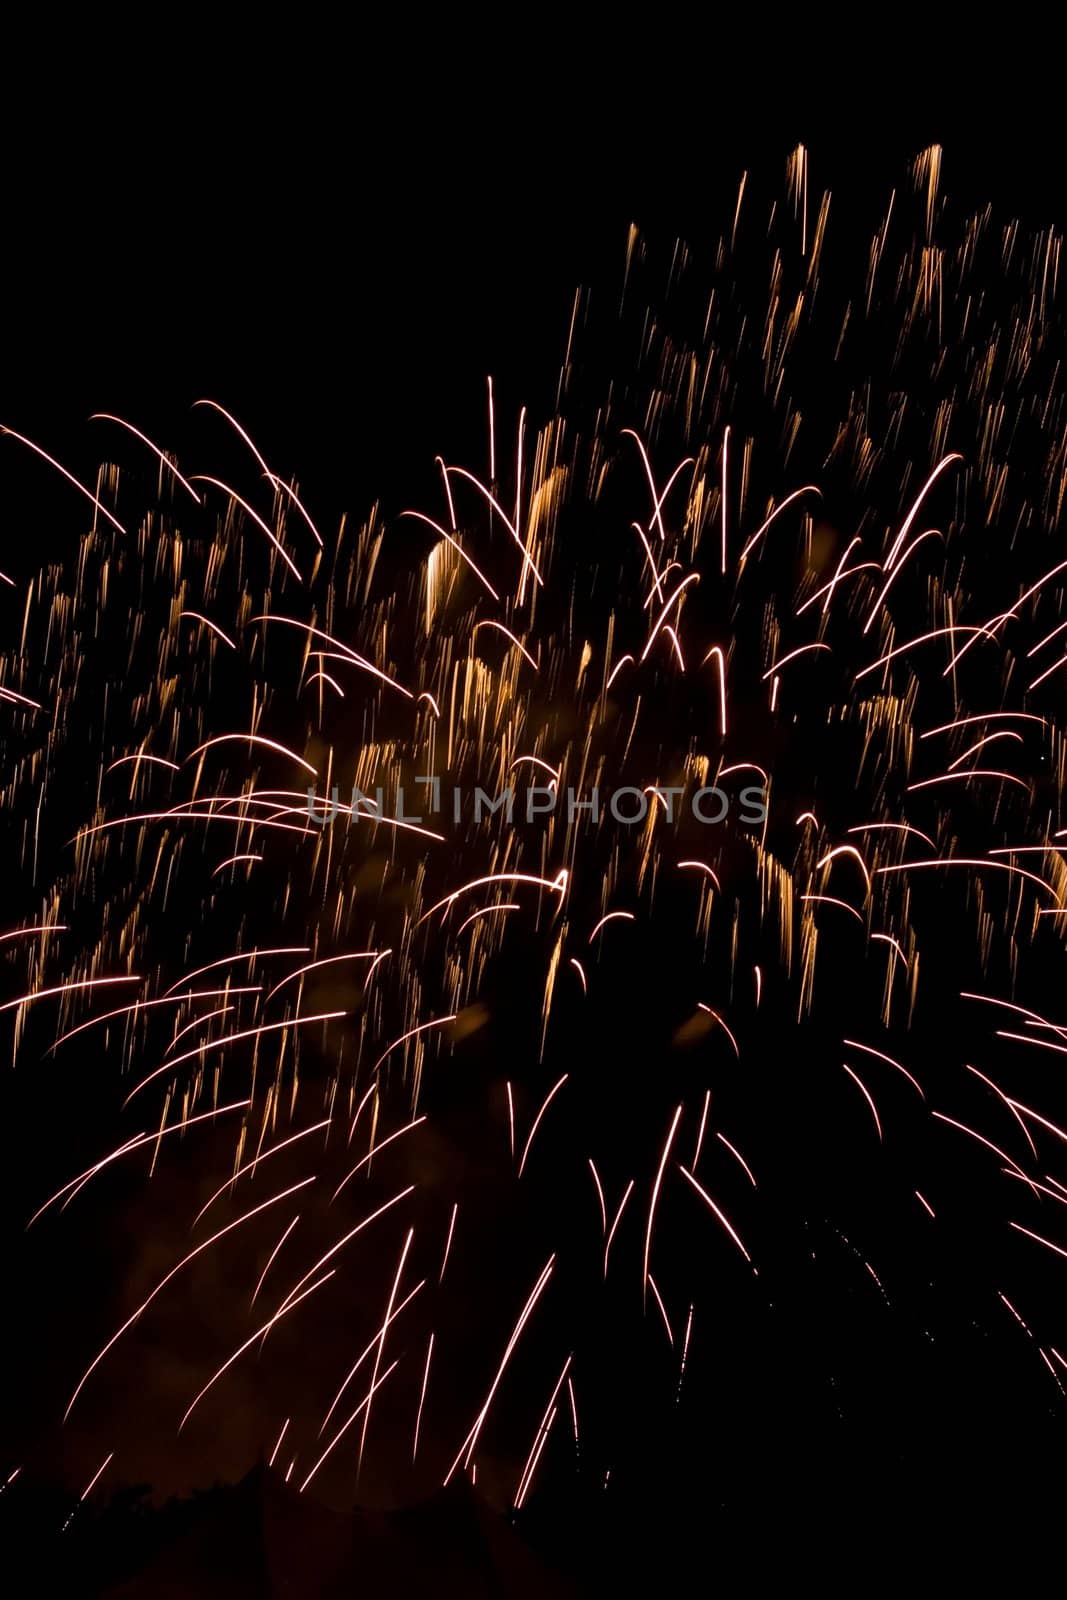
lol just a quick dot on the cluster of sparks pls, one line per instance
(309, 985)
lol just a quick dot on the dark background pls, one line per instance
(340, 238)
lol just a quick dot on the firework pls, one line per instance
(640, 1074)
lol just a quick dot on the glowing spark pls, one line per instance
(381, 1344)
(520, 647)
(344, 1429)
(549, 1097)
(708, 1201)
(422, 1398)
(809, 488)
(372, 1153)
(256, 518)
(438, 1022)
(97, 1475)
(52, 462)
(467, 1448)
(615, 1223)
(207, 623)
(456, 546)
(865, 1093)
(451, 1231)
(665, 1156)
(290, 1305)
(205, 1047)
(738, 1157)
(192, 1255)
(65, 988)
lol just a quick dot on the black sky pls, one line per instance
(339, 241)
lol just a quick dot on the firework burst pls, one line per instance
(454, 1137)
